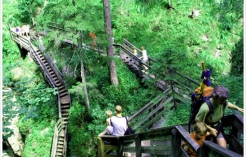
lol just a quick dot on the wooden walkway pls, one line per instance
(150, 138)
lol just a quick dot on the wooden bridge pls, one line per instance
(160, 141)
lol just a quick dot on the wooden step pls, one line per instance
(65, 115)
(62, 90)
(65, 106)
(61, 87)
(65, 99)
(62, 94)
(65, 119)
(60, 140)
(59, 154)
(64, 111)
(57, 81)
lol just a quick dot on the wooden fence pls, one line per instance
(167, 141)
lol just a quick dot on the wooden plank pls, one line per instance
(108, 155)
(156, 133)
(217, 150)
(186, 137)
(147, 117)
(239, 117)
(147, 106)
(155, 119)
(238, 124)
(157, 150)
(188, 78)
(129, 149)
(110, 147)
(235, 145)
(162, 141)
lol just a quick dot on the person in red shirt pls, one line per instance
(93, 37)
(199, 134)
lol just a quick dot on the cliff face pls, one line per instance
(15, 141)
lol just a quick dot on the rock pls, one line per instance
(15, 140)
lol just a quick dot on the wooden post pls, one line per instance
(176, 144)
(100, 147)
(120, 148)
(138, 148)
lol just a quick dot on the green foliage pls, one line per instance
(237, 59)
(9, 14)
(179, 116)
(28, 9)
(170, 36)
(25, 126)
(36, 99)
(102, 97)
(78, 89)
(9, 110)
(234, 85)
(78, 128)
(38, 136)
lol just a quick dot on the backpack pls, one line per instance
(129, 130)
(197, 101)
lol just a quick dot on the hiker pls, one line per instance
(109, 129)
(25, 30)
(144, 57)
(118, 122)
(109, 114)
(199, 133)
(213, 122)
(135, 52)
(93, 37)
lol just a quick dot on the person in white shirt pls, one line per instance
(118, 122)
(144, 55)
(144, 58)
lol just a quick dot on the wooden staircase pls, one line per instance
(54, 78)
(152, 139)
(163, 141)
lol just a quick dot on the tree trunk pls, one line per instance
(169, 3)
(83, 75)
(110, 48)
(84, 83)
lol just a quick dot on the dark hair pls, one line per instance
(220, 92)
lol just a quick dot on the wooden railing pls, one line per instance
(177, 90)
(25, 42)
(139, 52)
(153, 111)
(60, 128)
(167, 142)
(148, 115)
(179, 80)
(98, 48)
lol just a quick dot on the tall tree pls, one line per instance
(87, 102)
(110, 48)
(72, 17)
